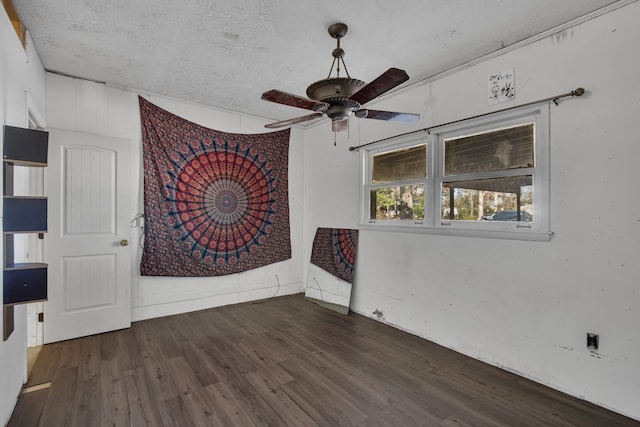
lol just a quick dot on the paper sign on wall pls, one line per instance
(501, 87)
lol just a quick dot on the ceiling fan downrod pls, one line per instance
(337, 31)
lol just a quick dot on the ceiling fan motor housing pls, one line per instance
(342, 87)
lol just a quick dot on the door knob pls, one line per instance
(124, 242)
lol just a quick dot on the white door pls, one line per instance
(87, 184)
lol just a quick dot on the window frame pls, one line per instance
(398, 144)
(538, 230)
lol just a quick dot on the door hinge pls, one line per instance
(40, 317)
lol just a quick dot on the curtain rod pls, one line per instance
(577, 92)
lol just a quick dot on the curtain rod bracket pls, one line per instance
(578, 92)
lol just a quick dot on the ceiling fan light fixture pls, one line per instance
(338, 112)
(338, 125)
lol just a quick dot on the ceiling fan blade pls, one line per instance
(392, 116)
(285, 98)
(339, 125)
(382, 84)
(290, 122)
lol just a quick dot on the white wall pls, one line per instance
(523, 306)
(20, 72)
(83, 106)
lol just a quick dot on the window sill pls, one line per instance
(532, 236)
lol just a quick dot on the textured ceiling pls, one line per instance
(226, 53)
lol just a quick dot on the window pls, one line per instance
(397, 184)
(485, 177)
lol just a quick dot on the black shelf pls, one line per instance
(25, 147)
(22, 282)
(25, 214)
(25, 285)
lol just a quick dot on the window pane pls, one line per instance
(400, 165)
(497, 199)
(403, 202)
(502, 149)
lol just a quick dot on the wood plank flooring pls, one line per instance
(282, 362)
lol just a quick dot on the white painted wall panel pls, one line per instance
(62, 111)
(523, 306)
(118, 120)
(90, 103)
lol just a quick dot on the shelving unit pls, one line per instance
(22, 282)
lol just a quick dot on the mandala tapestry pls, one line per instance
(334, 250)
(215, 203)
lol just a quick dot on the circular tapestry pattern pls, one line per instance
(221, 203)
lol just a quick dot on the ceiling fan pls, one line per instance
(337, 97)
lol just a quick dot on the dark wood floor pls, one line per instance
(282, 362)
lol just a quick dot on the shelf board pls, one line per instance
(25, 302)
(25, 266)
(26, 197)
(25, 163)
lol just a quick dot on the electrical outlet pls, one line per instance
(592, 341)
